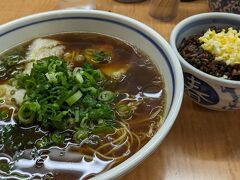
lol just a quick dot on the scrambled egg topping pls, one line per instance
(225, 46)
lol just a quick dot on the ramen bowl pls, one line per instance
(206, 90)
(124, 28)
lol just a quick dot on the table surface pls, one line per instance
(202, 144)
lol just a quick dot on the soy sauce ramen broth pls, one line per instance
(129, 73)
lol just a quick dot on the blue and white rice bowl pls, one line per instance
(204, 89)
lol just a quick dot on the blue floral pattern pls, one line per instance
(199, 90)
(234, 102)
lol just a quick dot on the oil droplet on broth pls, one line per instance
(153, 94)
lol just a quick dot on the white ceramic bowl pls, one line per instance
(206, 90)
(119, 26)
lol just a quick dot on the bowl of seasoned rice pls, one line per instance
(208, 48)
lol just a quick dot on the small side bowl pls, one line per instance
(204, 89)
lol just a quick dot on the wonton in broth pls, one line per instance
(74, 105)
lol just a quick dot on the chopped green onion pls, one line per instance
(4, 114)
(78, 75)
(42, 143)
(51, 77)
(77, 114)
(80, 135)
(106, 96)
(59, 99)
(97, 56)
(79, 78)
(2, 101)
(91, 89)
(60, 116)
(13, 100)
(89, 101)
(57, 138)
(74, 98)
(71, 123)
(26, 112)
(12, 92)
(88, 76)
(124, 111)
(83, 124)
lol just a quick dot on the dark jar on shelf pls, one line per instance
(230, 6)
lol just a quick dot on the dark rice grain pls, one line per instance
(191, 50)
